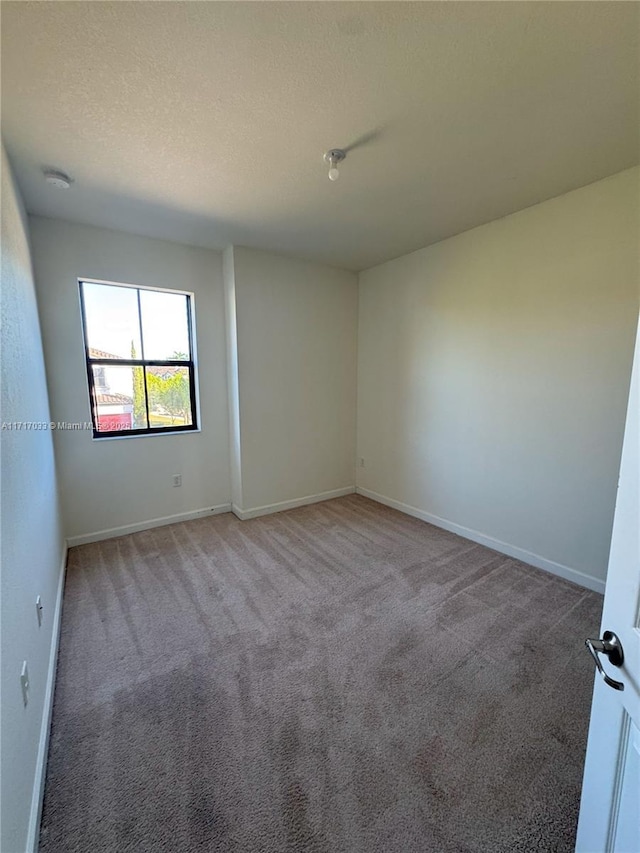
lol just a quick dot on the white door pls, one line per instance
(610, 807)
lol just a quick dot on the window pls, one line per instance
(139, 351)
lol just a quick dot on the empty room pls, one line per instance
(319, 445)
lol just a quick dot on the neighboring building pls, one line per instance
(164, 372)
(115, 410)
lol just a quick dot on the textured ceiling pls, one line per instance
(205, 122)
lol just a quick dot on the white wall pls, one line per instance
(494, 371)
(32, 543)
(296, 326)
(116, 483)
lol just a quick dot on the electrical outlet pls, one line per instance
(177, 479)
(39, 609)
(24, 683)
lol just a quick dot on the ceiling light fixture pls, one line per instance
(333, 157)
(57, 178)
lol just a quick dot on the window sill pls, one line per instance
(107, 437)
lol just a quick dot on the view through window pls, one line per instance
(139, 351)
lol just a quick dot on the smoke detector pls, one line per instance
(57, 179)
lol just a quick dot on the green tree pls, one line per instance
(171, 394)
(139, 404)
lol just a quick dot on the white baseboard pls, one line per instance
(267, 509)
(37, 796)
(112, 532)
(566, 572)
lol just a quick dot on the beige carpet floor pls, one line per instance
(339, 677)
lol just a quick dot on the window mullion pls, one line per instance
(192, 394)
(146, 395)
(140, 327)
(189, 329)
(144, 367)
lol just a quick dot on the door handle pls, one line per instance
(610, 646)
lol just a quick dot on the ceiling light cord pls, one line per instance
(333, 157)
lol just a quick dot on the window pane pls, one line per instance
(165, 329)
(119, 394)
(169, 396)
(112, 324)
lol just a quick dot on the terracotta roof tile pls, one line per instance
(111, 399)
(98, 353)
